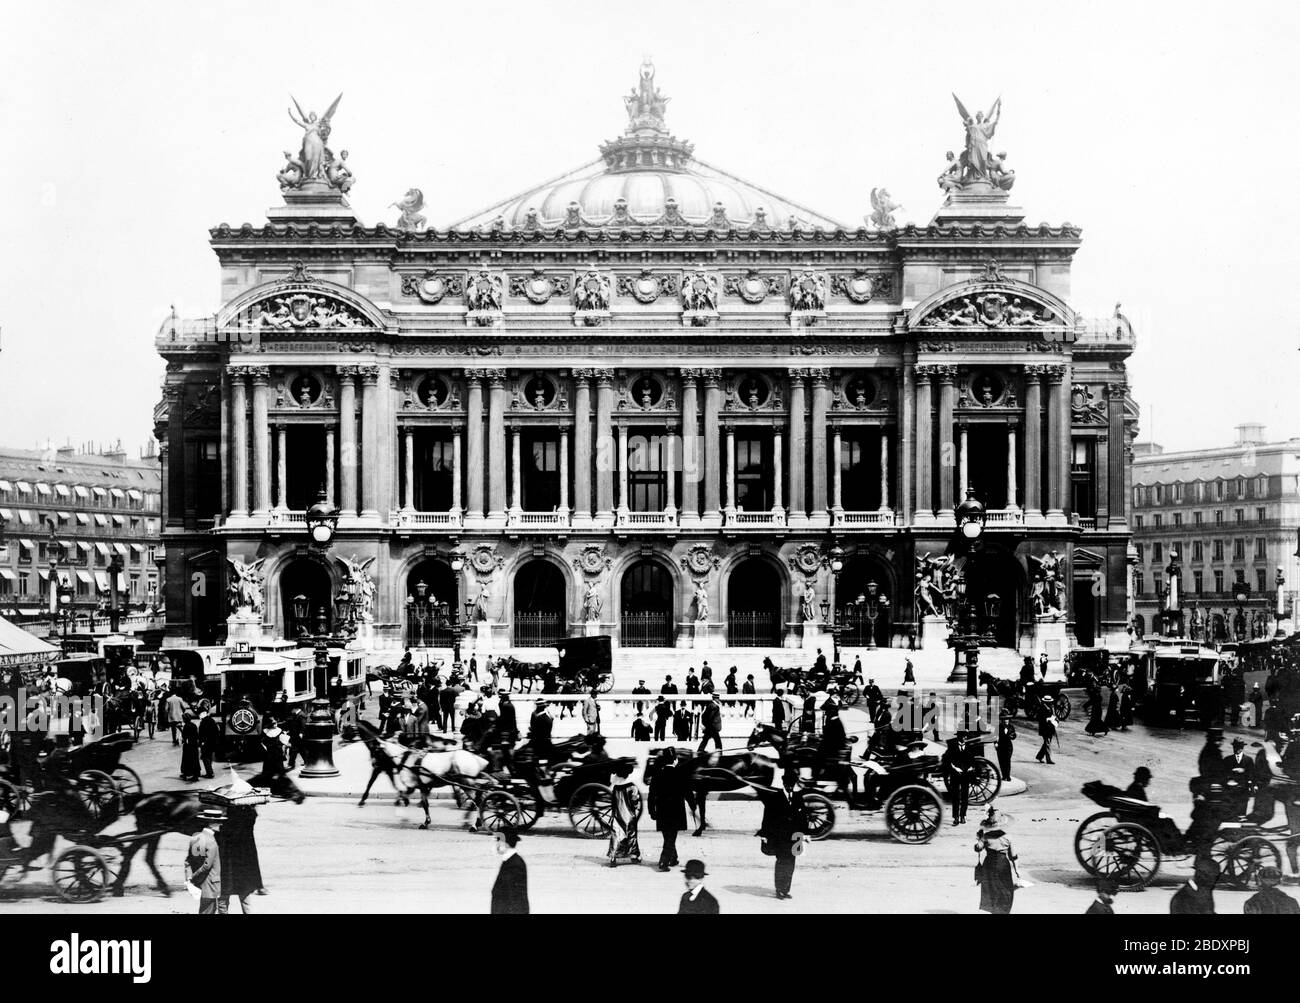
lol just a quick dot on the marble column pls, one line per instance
(1117, 500)
(924, 446)
(884, 470)
(623, 507)
(496, 444)
(261, 442)
(516, 471)
(281, 469)
(690, 453)
(947, 399)
(347, 442)
(329, 465)
(372, 444)
(963, 477)
(408, 487)
(712, 446)
(1056, 458)
(582, 447)
(605, 447)
(457, 487)
(729, 477)
(669, 464)
(563, 509)
(474, 444)
(239, 444)
(906, 441)
(797, 512)
(1065, 440)
(778, 474)
(1033, 443)
(821, 399)
(1011, 469)
(837, 473)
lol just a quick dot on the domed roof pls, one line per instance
(647, 177)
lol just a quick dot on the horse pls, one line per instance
(421, 770)
(513, 669)
(794, 752)
(719, 771)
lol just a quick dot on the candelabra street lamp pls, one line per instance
(1280, 580)
(961, 611)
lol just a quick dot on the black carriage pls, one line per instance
(1177, 683)
(1084, 664)
(101, 779)
(587, 661)
(1017, 696)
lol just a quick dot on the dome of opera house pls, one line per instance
(647, 177)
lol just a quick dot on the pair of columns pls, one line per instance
(1057, 378)
(376, 447)
(408, 470)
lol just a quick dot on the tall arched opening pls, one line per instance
(995, 572)
(646, 617)
(754, 614)
(309, 579)
(428, 584)
(859, 573)
(541, 601)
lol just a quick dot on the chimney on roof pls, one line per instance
(1250, 433)
(117, 454)
(66, 452)
(1147, 449)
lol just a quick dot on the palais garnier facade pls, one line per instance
(648, 399)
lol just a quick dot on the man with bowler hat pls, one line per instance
(1006, 742)
(667, 804)
(1196, 897)
(1271, 900)
(203, 861)
(696, 900)
(510, 891)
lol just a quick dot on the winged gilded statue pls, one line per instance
(979, 132)
(410, 205)
(315, 156)
(882, 209)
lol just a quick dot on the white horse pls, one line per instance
(421, 770)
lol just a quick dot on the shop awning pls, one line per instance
(136, 494)
(24, 487)
(62, 491)
(121, 549)
(45, 575)
(24, 516)
(8, 575)
(28, 544)
(137, 548)
(16, 641)
(103, 549)
(42, 488)
(6, 513)
(80, 492)
(84, 576)
(101, 520)
(99, 492)
(84, 547)
(117, 492)
(65, 515)
(83, 519)
(6, 486)
(101, 580)
(119, 520)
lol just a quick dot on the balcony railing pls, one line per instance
(877, 518)
(756, 519)
(647, 519)
(543, 519)
(1004, 517)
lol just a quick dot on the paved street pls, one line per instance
(377, 859)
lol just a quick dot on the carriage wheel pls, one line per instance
(500, 811)
(591, 811)
(79, 874)
(606, 683)
(99, 793)
(530, 809)
(820, 814)
(1130, 854)
(1087, 839)
(13, 800)
(851, 694)
(985, 782)
(127, 781)
(913, 814)
(1242, 861)
(1062, 707)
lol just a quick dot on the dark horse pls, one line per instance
(513, 669)
(718, 771)
(795, 751)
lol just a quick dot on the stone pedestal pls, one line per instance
(593, 628)
(1050, 636)
(811, 636)
(244, 627)
(481, 637)
(701, 634)
(978, 202)
(934, 634)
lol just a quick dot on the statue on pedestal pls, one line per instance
(1047, 593)
(245, 589)
(591, 604)
(481, 604)
(701, 602)
(315, 164)
(410, 205)
(808, 604)
(882, 209)
(976, 166)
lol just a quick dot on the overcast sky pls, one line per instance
(1167, 132)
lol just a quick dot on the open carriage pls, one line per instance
(585, 663)
(101, 779)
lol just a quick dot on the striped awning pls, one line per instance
(6, 513)
(117, 492)
(136, 494)
(8, 575)
(101, 580)
(24, 516)
(65, 515)
(5, 486)
(119, 520)
(62, 491)
(45, 575)
(28, 544)
(24, 487)
(80, 492)
(83, 518)
(99, 492)
(84, 547)
(137, 548)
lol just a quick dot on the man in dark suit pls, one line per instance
(663, 713)
(1006, 743)
(779, 710)
(510, 891)
(696, 901)
(1101, 905)
(667, 805)
(711, 723)
(209, 738)
(783, 818)
(1270, 900)
(539, 730)
(1238, 769)
(1138, 788)
(669, 688)
(1196, 898)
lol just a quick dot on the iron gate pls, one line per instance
(426, 633)
(537, 630)
(650, 629)
(746, 629)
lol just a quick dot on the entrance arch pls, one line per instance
(304, 577)
(994, 571)
(646, 597)
(754, 617)
(423, 629)
(859, 572)
(540, 605)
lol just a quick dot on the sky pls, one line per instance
(1164, 131)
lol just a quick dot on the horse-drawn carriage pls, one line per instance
(585, 663)
(1017, 696)
(101, 779)
(803, 682)
(1130, 839)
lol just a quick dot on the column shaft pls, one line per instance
(690, 454)
(1033, 441)
(605, 455)
(947, 375)
(516, 470)
(581, 446)
(408, 491)
(924, 445)
(1055, 458)
(372, 445)
(821, 398)
(712, 445)
(884, 469)
(798, 450)
(1011, 468)
(964, 476)
(496, 444)
(457, 487)
(261, 445)
(729, 500)
(837, 471)
(329, 464)
(347, 441)
(474, 444)
(239, 443)
(778, 472)
(1117, 518)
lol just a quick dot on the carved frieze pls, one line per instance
(647, 286)
(862, 286)
(539, 286)
(431, 287)
(1087, 404)
(753, 286)
(992, 309)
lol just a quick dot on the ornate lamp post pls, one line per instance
(322, 520)
(115, 569)
(1280, 580)
(66, 613)
(962, 618)
(1241, 594)
(837, 566)
(318, 733)
(1171, 605)
(872, 603)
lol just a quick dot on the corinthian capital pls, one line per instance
(369, 373)
(925, 372)
(347, 372)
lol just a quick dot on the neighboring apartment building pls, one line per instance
(70, 513)
(1231, 514)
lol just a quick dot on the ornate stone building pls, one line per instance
(646, 399)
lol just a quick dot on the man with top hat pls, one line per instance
(783, 829)
(1209, 764)
(663, 713)
(1138, 788)
(1271, 900)
(711, 723)
(666, 802)
(1196, 897)
(957, 766)
(508, 725)
(1046, 730)
(539, 730)
(510, 890)
(1238, 768)
(203, 861)
(696, 901)
(1006, 742)
(1102, 904)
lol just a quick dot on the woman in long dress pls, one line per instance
(1114, 721)
(997, 877)
(241, 869)
(189, 749)
(1096, 705)
(623, 844)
